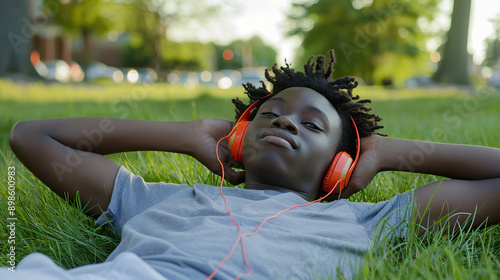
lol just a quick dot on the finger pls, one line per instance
(349, 190)
(235, 178)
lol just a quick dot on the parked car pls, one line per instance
(59, 70)
(98, 70)
(495, 79)
(224, 79)
(418, 81)
(253, 76)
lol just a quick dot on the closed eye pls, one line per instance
(312, 126)
(269, 114)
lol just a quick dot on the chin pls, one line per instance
(266, 161)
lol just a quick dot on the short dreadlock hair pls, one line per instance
(318, 78)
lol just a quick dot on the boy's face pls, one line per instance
(291, 141)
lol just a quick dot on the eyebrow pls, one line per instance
(309, 108)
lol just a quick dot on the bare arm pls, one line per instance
(68, 154)
(474, 184)
(474, 173)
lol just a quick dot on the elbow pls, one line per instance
(20, 135)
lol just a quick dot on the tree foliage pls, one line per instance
(492, 52)
(85, 19)
(247, 53)
(149, 20)
(75, 16)
(364, 33)
(192, 56)
(492, 55)
(195, 56)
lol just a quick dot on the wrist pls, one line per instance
(405, 155)
(387, 154)
(191, 133)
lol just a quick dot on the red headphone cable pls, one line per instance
(271, 217)
(227, 210)
(241, 237)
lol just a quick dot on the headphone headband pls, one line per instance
(248, 112)
(358, 148)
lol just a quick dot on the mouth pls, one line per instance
(279, 138)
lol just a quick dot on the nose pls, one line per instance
(285, 122)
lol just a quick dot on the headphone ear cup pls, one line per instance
(236, 138)
(338, 170)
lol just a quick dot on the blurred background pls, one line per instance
(223, 43)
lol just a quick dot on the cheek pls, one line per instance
(323, 152)
(251, 148)
(315, 164)
(319, 153)
(324, 160)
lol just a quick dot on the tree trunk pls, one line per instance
(16, 33)
(87, 48)
(454, 67)
(155, 59)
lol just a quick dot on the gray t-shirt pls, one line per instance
(184, 232)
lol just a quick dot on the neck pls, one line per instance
(300, 190)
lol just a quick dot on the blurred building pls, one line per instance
(52, 43)
(48, 39)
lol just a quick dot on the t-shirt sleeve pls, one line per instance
(131, 196)
(386, 219)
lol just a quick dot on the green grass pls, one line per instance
(47, 224)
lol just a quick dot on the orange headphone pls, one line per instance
(340, 169)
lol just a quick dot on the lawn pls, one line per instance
(47, 224)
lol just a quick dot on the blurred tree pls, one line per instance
(135, 56)
(148, 21)
(364, 33)
(455, 67)
(246, 53)
(492, 56)
(16, 31)
(191, 56)
(85, 18)
(261, 53)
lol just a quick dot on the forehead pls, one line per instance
(305, 97)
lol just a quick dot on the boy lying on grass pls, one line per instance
(294, 142)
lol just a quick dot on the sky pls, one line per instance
(241, 19)
(480, 27)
